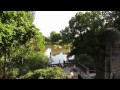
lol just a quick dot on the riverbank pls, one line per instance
(56, 45)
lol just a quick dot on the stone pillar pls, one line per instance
(108, 63)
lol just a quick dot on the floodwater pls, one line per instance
(57, 54)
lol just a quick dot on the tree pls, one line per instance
(55, 37)
(84, 31)
(112, 19)
(66, 36)
(47, 39)
(16, 28)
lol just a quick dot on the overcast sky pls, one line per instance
(48, 21)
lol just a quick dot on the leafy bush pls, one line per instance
(49, 73)
(36, 61)
(55, 46)
(13, 73)
(86, 60)
(33, 62)
(27, 76)
(66, 46)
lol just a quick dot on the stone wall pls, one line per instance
(108, 63)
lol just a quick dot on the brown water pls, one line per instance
(57, 54)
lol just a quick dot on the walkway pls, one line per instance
(79, 71)
(67, 70)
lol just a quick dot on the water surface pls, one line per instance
(57, 54)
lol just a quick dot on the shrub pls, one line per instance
(35, 61)
(29, 75)
(13, 73)
(55, 46)
(86, 60)
(49, 73)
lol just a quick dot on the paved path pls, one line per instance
(79, 71)
(68, 69)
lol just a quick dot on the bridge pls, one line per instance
(82, 70)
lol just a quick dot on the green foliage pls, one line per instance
(47, 39)
(19, 38)
(54, 37)
(13, 73)
(86, 60)
(55, 46)
(35, 61)
(15, 29)
(49, 73)
(22, 45)
(39, 42)
(27, 76)
(112, 19)
(66, 46)
(66, 36)
(84, 31)
(31, 55)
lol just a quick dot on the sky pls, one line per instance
(48, 21)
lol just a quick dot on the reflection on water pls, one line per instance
(57, 54)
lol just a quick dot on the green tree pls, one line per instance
(54, 37)
(16, 28)
(66, 36)
(30, 56)
(83, 33)
(111, 18)
(47, 39)
(86, 60)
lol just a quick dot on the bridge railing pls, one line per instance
(81, 66)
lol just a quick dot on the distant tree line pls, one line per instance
(54, 37)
